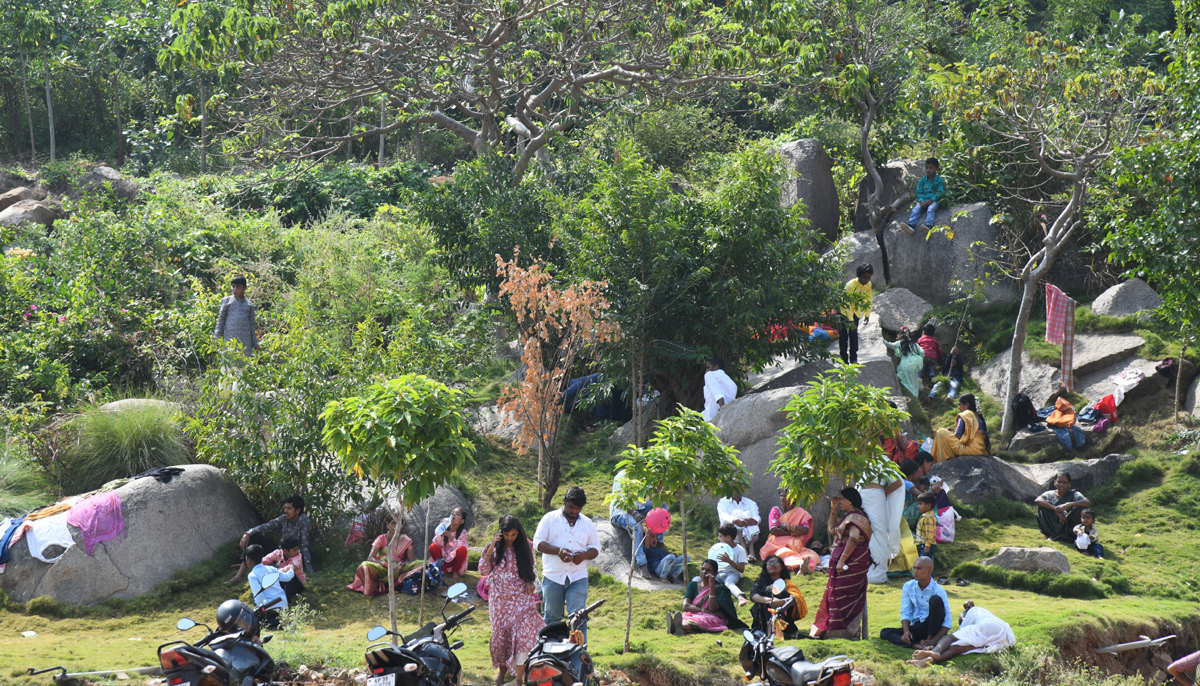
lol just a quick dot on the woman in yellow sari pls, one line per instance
(790, 529)
(969, 437)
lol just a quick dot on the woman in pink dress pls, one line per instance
(707, 606)
(790, 528)
(512, 599)
(371, 577)
(450, 543)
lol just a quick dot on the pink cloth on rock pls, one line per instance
(99, 519)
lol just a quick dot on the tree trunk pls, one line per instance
(392, 580)
(629, 591)
(425, 557)
(382, 138)
(203, 128)
(120, 124)
(28, 107)
(1179, 372)
(49, 101)
(1028, 291)
(553, 477)
(540, 477)
(687, 572)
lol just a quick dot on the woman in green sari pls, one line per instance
(371, 576)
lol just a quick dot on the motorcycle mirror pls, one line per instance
(779, 586)
(456, 590)
(270, 579)
(184, 624)
(376, 633)
(748, 635)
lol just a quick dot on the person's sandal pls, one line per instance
(943, 580)
(962, 582)
(670, 624)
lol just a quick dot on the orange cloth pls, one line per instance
(1063, 416)
(48, 511)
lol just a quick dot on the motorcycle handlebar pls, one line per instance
(270, 605)
(590, 608)
(207, 639)
(454, 620)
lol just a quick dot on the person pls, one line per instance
(287, 558)
(370, 578)
(924, 462)
(1062, 422)
(911, 359)
(742, 512)
(764, 597)
(707, 606)
(932, 351)
(842, 612)
(1060, 510)
(235, 320)
(1086, 539)
(789, 529)
(859, 295)
(938, 488)
(970, 435)
(632, 521)
(731, 560)
(979, 631)
(566, 540)
(450, 543)
(512, 598)
(668, 566)
(883, 501)
(926, 534)
(952, 367)
(931, 191)
(1184, 666)
(924, 610)
(293, 523)
(912, 491)
(719, 389)
(266, 594)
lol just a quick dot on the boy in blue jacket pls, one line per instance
(931, 190)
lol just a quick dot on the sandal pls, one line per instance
(943, 580)
(962, 582)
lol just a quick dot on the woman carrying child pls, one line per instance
(707, 606)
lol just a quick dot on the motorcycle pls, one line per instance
(560, 657)
(767, 665)
(424, 658)
(232, 655)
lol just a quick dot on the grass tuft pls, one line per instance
(1045, 583)
(115, 445)
(23, 486)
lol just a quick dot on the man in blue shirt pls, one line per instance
(924, 615)
(931, 191)
(264, 595)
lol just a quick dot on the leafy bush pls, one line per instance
(23, 486)
(111, 445)
(45, 606)
(1045, 583)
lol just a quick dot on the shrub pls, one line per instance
(114, 445)
(45, 606)
(999, 510)
(23, 486)
(1045, 583)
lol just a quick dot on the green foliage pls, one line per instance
(1045, 583)
(999, 510)
(833, 431)
(45, 606)
(677, 137)
(408, 432)
(23, 486)
(1130, 477)
(109, 445)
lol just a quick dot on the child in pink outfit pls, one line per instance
(288, 558)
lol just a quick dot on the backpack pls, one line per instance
(1024, 413)
(433, 578)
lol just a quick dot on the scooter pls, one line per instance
(233, 655)
(560, 657)
(766, 665)
(424, 658)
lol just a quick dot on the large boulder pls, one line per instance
(878, 369)
(860, 248)
(1189, 401)
(439, 506)
(108, 180)
(812, 182)
(616, 548)
(1132, 297)
(897, 308)
(27, 212)
(751, 418)
(960, 252)
(973, 479)
(784, 372)
(899, 177)
(168, 527)
(1097, 357)
(1027, 441)
(487, 420)
(16, 195)
(1030, 560)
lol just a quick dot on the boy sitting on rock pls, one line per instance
(931, 191)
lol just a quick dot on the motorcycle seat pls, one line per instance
(556, 631)
(788, 654)
(559, 648)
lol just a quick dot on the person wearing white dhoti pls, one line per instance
(719, 389)
(742, 512)
(979, 631)
(884, 505)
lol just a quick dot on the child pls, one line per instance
(1085, 535)
(288, 558)
(264, 595)
(731, 560)
(932, 349)
(931, 190)
(926, 535)
(937, 488)
(952, 367)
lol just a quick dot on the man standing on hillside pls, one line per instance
(567, 540)
(859, 295)
(719, 389)
(236, 319)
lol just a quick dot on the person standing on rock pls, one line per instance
(567, 540)
(719, 389)
(859, 295)
(236, 319)
(931, 191)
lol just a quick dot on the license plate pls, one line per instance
(385, 680)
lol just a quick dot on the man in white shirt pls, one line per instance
(719, 389)
(742, 512)
(567, 540)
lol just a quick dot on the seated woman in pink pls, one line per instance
(450, 543)
(371, 577)
(707, 606)
(790, 528)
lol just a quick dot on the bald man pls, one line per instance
(924, 610)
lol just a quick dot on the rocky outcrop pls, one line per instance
(439, 505)
(108, 180)
(897, 308)
(785, 372)
(16, 195)
(1132, 297)
(1028, 441)
(168, 527)
(1030, 560)
(27, 212)
(1188, 402)
(487, 420)
(752, 418)
(616, 549)
(899, 178)
(811, 181)
(933, 266)
(1097, 357)
(860, 248)
(973, 479)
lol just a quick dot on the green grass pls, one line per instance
(115, 445)
(23, 487)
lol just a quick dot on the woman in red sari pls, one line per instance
(843, 610)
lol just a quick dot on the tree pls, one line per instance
(833, 431)
(408, 432)
(685, 462)
(1066, 108)
(500, 74)
(556, 326)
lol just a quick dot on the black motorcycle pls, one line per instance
(767, 665)
(557, 659)
(424, 658)
(232, 655)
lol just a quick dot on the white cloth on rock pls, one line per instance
(50, 531)
(985, 631)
